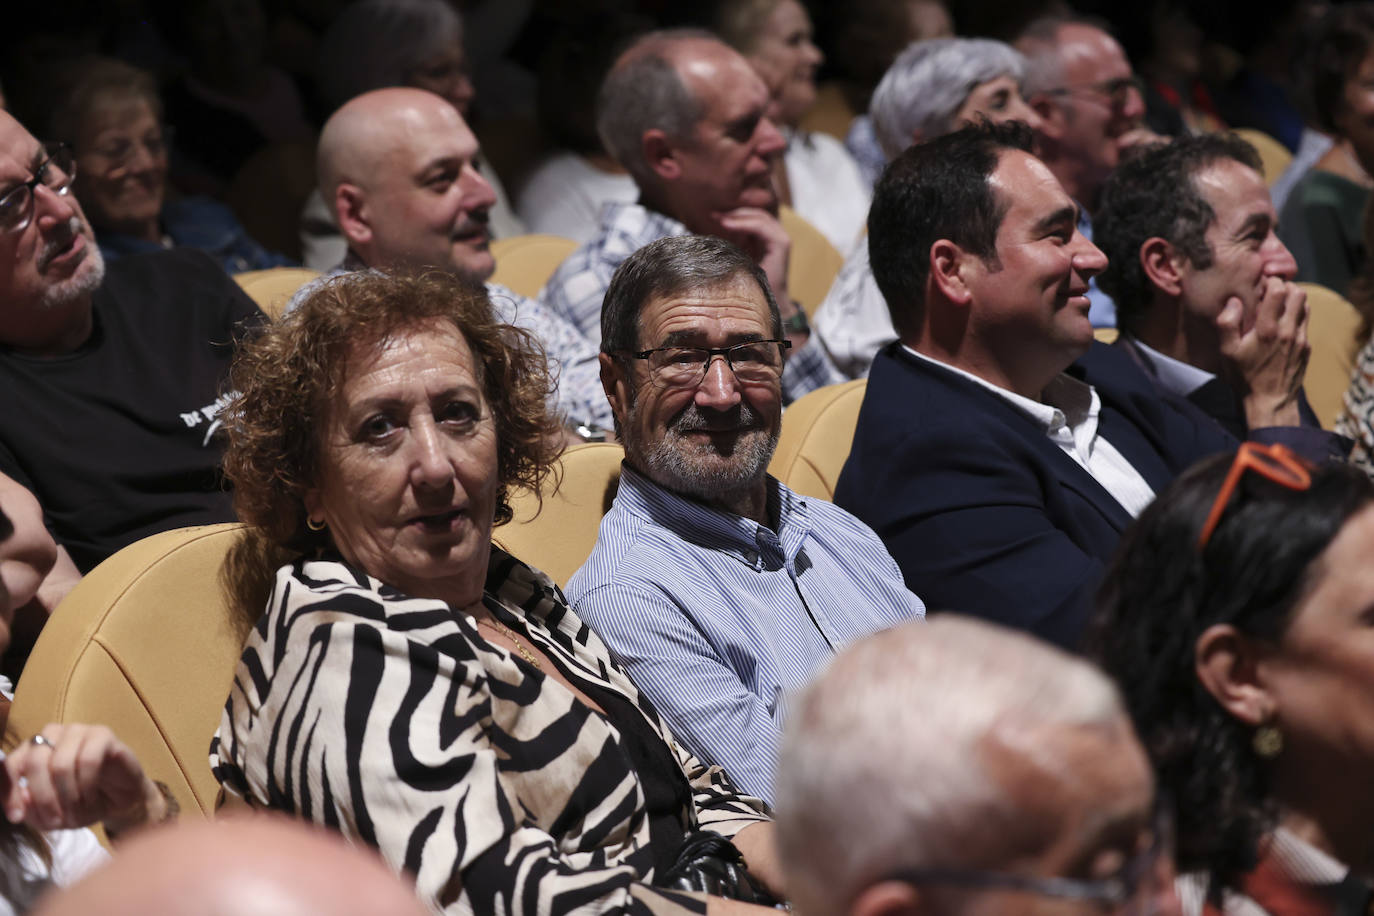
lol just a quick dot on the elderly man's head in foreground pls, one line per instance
(957, 767)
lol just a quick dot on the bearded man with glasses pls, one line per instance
(111, 378)
(718, 587)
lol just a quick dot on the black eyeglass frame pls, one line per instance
(1114, 90)
(711, 353)
(26, 189)
(1116, 890)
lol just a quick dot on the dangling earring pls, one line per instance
(314, 525)
(1268, 741)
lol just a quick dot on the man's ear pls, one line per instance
(949, 271)
(1051, 115)
(1228, 665)
(616, 384)
(887, 898)
(351, 212)
(661, 154)
(1164, 265)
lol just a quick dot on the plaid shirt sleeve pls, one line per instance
(575, 290)
(572, 357)
(808, 369)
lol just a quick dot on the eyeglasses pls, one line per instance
(55, 172)
(685, 367)
(118, 152)
(1138, 879)
(1116, 92)
(1276, 463)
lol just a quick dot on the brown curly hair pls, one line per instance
(285, 380)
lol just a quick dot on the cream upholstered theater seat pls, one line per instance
(1274, 156)
(524, 263)
(147, 645)
(814, 262)
(1333, 332)
(272, 288)
(817, 433)
(559, 538)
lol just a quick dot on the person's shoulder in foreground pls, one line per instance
(930, 768)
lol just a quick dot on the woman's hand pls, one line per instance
(77, 775)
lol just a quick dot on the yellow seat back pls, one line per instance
(1333, 331)
(817, 433)
(271, 289)
(147, 645)
(814, 262)
(1274, 156)
(525, 262)
(560, 537)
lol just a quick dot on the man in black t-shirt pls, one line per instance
(111, 380)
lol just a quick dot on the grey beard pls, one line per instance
(87, 279)
(673, 463)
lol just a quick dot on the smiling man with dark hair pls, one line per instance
(1204, 288)
(999, 477)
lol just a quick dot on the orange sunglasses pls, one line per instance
(1278, 463)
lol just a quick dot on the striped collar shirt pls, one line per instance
(717, 617)
(578, 286)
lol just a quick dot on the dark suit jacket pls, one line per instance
(987, 516)
(1219, 401)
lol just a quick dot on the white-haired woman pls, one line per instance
(933, 87)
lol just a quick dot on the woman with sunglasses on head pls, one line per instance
(1237, 620)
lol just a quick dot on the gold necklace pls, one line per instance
(520, 648)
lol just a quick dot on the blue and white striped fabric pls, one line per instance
(716, 617)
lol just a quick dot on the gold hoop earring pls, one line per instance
(314, 525)
(1268, 741)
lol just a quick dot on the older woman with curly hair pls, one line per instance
(1236, 619)
(410, 684)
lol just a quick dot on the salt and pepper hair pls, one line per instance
(375, 44)
(643, 91)
(929, 82)
(674, 266)
(884, 759)
(1039, 43)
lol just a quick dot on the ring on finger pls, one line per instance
(40, 741)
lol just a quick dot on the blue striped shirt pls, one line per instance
(717, 617)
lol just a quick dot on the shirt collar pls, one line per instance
(1065, 400)
(752, 544)
(1175, 376)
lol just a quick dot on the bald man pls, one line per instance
(397, 168)
(240, 866)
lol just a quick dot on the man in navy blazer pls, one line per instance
(1000, 481)
(1190, 233)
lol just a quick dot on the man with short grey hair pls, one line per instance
(685, 115)
(931, 88)
(720, 588)
(958, 767)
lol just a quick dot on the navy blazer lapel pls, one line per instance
(1070, 474)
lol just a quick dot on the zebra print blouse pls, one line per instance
(392, 720)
